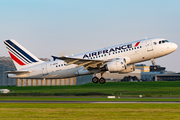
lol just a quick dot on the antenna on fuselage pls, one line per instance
(145, 37)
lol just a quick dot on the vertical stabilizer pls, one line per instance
(21, 57)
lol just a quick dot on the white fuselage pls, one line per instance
(133, 52)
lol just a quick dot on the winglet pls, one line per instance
(54, 57)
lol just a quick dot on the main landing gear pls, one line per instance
(96, 80)
(102, 80)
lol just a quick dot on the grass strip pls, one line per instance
(147, 89)
(18, 111)
(85, 99)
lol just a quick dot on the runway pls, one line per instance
(95, 102)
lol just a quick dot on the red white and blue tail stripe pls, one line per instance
(19, 54)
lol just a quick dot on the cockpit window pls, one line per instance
(163, 41)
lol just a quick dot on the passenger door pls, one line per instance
(149, 45)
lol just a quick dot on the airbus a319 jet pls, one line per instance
(116, 59)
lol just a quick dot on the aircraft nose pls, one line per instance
(172, 47)
(175, 46)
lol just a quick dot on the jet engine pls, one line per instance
(130, 68)
(116, 65)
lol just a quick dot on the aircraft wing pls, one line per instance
(17, 72)
(82, 62)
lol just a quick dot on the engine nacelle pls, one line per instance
(116, 65)
(130, 68)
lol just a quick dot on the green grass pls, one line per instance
(147, 89)
(38, 111)
(84, 99)
(30, 111)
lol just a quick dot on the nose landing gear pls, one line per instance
(153, 62)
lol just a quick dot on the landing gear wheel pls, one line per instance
(102, 80)
(95, 79)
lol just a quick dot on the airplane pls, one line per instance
(116, 59)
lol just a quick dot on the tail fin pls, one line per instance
(21, 57)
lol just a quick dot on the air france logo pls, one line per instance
(105, 51)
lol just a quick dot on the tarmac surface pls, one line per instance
(62, 102)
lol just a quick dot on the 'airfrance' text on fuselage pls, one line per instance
(107, 51)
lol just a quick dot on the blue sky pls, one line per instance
(54, 27)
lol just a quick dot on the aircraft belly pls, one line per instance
(65, 73)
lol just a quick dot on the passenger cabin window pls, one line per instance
(159, 42)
